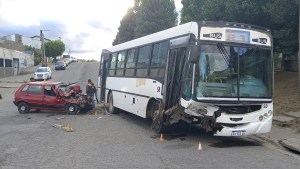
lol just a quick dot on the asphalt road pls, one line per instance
(118, 141)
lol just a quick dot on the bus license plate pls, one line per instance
(238, 133)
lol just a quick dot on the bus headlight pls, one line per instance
(270, 112)
(265, 115)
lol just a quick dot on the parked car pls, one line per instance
(43, 73)
(51, 96)
(60, 65)
(67, 61)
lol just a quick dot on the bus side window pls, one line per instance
(112, 66)
(143, 61)
(158, 61)
(120, 63)
(130, 62)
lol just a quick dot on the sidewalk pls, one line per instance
(281, 135)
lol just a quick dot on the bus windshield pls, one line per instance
(229, 71)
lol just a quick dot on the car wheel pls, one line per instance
(110, 108)
(72, 109)
(23, 108)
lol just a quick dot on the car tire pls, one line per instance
(72, 109)
(23, 108)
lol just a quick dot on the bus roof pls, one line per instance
(191, 27)
(184, 29)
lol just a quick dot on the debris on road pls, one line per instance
(57, 125)
(99, 117)
(0, 96)
(67, 128)
(59, 118)
(49, 115)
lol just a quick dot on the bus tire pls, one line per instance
(158, 125)
(110, 108)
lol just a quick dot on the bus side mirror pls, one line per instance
(195, 51)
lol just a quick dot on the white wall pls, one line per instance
(25, 60)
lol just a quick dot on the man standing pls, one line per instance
(90, 91)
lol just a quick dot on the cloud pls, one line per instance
(86, 27)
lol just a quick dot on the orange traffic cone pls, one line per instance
(68, 128)
(161, 137)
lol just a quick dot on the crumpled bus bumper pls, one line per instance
(246, 129)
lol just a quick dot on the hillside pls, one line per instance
(286, 93)
(287, 96)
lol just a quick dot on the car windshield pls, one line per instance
(234, 72)
(41, 70)
(60, 63)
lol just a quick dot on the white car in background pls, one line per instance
(42, 73)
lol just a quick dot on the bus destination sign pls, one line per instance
(237, 36)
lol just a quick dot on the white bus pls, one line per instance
(218, 75)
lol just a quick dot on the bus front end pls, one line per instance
(232, 82)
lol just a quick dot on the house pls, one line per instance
(12, 61)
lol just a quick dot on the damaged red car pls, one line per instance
(51, 96)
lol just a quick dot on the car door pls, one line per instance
(34, 96)
(51, 100)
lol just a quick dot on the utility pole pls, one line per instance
(44, 63)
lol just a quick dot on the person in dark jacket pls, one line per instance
(91, 91)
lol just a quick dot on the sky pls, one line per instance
(85, 26)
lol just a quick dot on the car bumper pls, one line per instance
(40, 77)
(15, 103)
(60, 68)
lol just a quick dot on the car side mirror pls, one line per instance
(195, 51)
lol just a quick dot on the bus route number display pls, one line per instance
(237, 36)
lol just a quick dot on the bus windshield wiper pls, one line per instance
(224, 53)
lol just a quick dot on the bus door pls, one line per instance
(176, 61)
(103, 75)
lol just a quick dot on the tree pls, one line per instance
(54, 48)
(155, 15)
(127, 27)
(37, 54)
(283, 23)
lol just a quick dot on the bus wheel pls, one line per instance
(110, 108)
(158, 122)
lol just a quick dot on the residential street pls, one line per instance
(123, 140)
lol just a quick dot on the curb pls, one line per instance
(269, 140)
